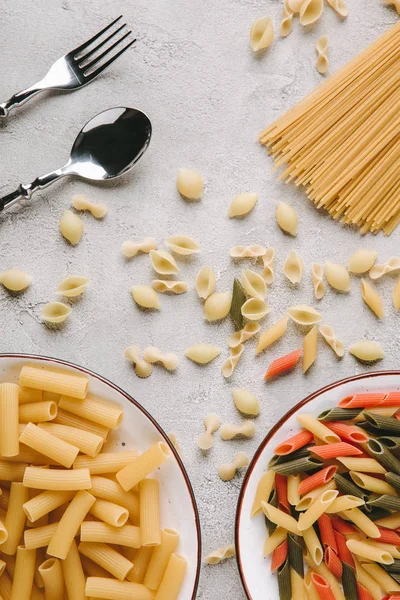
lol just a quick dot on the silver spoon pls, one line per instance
(108, 145)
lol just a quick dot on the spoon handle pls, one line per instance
(26, 191)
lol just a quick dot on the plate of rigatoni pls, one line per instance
(318, 515)
(94, 499)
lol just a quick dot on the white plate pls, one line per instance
(139, 430)
(258, 581)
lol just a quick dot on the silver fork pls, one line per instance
(73, 70)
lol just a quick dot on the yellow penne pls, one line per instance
(150, 522)
(362, 465)
(54, 479)
(110, 490)
(391, 522)
(311, 592)
(393, 550)
(29, 395)
(159, 558)
(73, 574)
(309, 498)
(317, 508)
(39, 537)
(280, 518)
(87, 442)
(65, 418)
(53, 579)
(100, 587)
(313, 545)
(9, 435)
(385, 581)
(108, 558)
(23, 574)
(15, 517)
(110, 513)
(106, 462)
(37, 412)
(293, 482)
(127, 535)
(45, 502)
(318, 429)
(365, 550)
(372, 484)
(10, 471)
(263, 492)
(54, 381)
(274, 540)
(297, 585)
(94, 409)
(323, 570)
(363, 522)
(48, 444)
(142, 558)
(368, 581)
(142, 466)
(344, 503)
(172, 579)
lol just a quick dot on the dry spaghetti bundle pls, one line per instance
(342, 142)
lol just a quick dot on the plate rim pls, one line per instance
(267, 438)
(137, 404)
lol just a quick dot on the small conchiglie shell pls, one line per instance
(304, 315)
(310, 11)
(15, 280)
(71, 227)
(245, 401)
(362, 261)
(190, 184)
(372, 299)
(317, 275)
(337, 276)
(393, 264)
(55, 312)
(205, 282)
(340, 6)
(217, 306)
(145, 296)
(286, 218)
(261, 34)
(367, 351)
(293, 267)
(182, 244)
(254, 309)
(295, 5)
(72, 286)
(202, 353)
(163, 262)
(254, 284)
(242, 204)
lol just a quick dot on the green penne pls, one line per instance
(238, 299)
(276, 459)
(339, 414)
(384, 456)
(394, 567)
(345, 487)
(285, 587)
(375, 513)
(393, 479)
(386, 424)
(273, 500)
(390, 441)
(385, 501)
(295, 555)
(349, 582)
(369, 428)
(301, 465)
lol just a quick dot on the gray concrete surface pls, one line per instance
(208, 96)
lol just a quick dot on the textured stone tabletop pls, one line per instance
(208, 96)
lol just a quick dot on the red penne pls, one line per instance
(348, 432)
(363, 593)
(320, 478)
(322, 586)
(342, 550)
(281, 491)
(326, 533)
(391, 399)
(282, 364)
(343, 527)
(388, 536)
(333, 563)
(362, 400)
(294, 443)
(333, 450)
(279, 555)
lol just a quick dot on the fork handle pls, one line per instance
(18, 99)
(25, 191)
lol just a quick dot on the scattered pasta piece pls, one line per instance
(254, 284)
(287, 20)
(295, 5)
(229, 431)
(240, 337)
(142, 368)
(317, 274)
(284, 363)
(329, 336)
(231, 363)
(268, 262)
(182, 244)
(15, 280)
(154, 355)
(286, 218)
(367, 351)
(310, 348)
(190, 184)
(321, 47)
(255, 309)
(202, 353)
(272, 334)
(174, 442)
(173, 287)
(393, 264)
(242, 204)
(337, 276)
(145, 297)
(163, 262)
(362, 261)
(293, 267)
(246, 402)
(372, 299)
(396, 296)
(71, 227)
(205, 282)
(310, 11)
(254, 251)
(219, 555)
(304, 315)
(212, 424)
(228, 471)
(55, 312)
(217, 306)
(72, 286)
(131, 249)
(261, 34)
(238, 300)
(340, 6)
(80, 202)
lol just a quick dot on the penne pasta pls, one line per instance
(150, 523)
(37, 412)
(66, 418)
(9, 434)
(15, 517)
(48, 444)
(54, 479)
(280, 518)
(102, 588)
(87, 442)
(362, 521)
(142, 559)
(39, 537)
(160, 557)
(106, 462)
(110, 490)
(313, 545)
(318, 429)
(94, 409)
(23, 574)
(108, 558)
(127, 535)
(42, 504)
(264, 489)
(54, 381)
(172, 578)
(108, 512)
(142, 466)
(53, 579)
(365, 550)
(317, 508)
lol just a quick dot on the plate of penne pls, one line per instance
(318, 515)
(94, 499)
